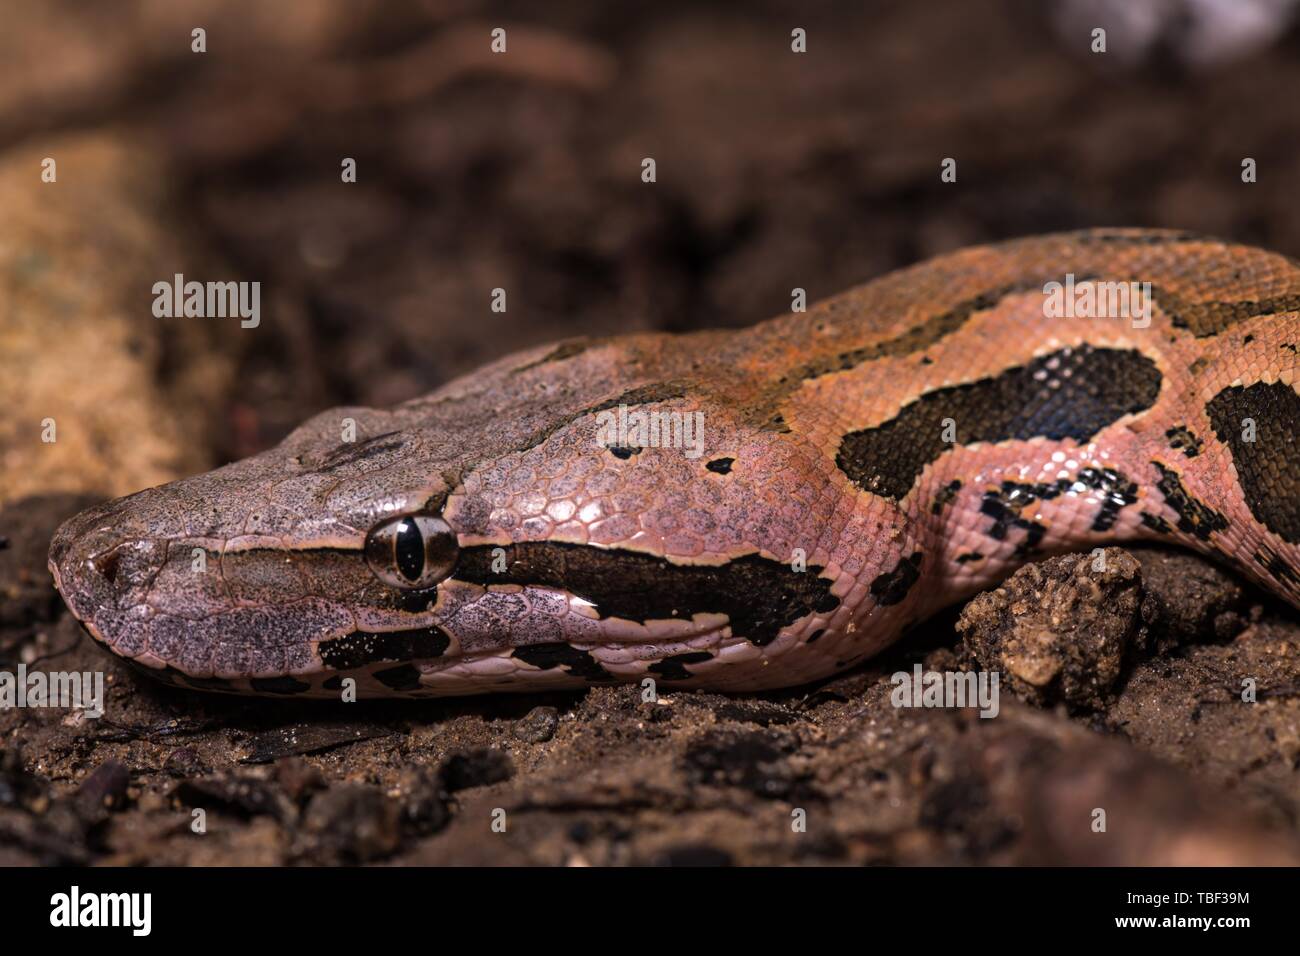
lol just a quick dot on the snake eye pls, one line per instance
(411, 552)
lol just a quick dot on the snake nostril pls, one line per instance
(107, 564)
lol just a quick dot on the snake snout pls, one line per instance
(101, 576)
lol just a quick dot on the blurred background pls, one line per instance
(522, 170)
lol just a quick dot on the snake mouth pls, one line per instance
(509, 641)
(225, 631)
(528, 667)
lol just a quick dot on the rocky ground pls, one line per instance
(1122, 685)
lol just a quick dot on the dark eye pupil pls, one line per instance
(409, 549)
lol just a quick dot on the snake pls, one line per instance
(735, 510)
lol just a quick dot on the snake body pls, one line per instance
(853, 468)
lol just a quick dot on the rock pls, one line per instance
(56, 837)
(298, 778)
(81, 345)
(352, 823)
(476, 768)
(752, 761)
(1189, 599)
(103, 790)
(17, 786)
(423, 798)
(184, 762)
(1060, 629)
(243, 796)
(538, 725)
(747, 710)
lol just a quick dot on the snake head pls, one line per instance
(491, 536)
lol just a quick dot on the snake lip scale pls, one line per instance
(892, 450)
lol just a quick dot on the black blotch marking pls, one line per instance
(777, 423)
(575, 662)
(208, 683)
(1117, 493)
(1139, 239)
(759, 596)
(916, 338)
(1182, 437)
(945, 495)
(402, 677)
(1277, 568)
(643, 395)
(451, 480)
(178, 678)
(1194, 516)
(350, 452)
(333, 683)
(624, 451)
(369, 647)
(1156, 523)
(1247, 340)
(1269, 467)
(674, 668)
(564, 350)
(892, 586)
(721, 466)
(816, 636)
(414, 602)
(1005, 503)
(1072, 393)
(969, 556)
(167, 675)
(1204, 319)
(278, 685)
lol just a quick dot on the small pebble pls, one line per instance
(538, 725)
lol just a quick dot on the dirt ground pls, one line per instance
(522, 171)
